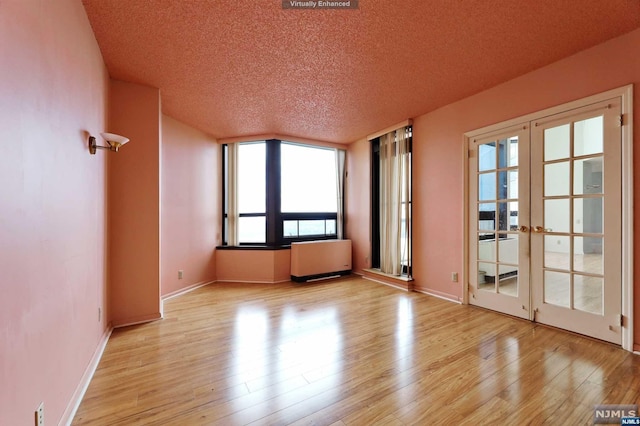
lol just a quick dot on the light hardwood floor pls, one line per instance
(348, 352)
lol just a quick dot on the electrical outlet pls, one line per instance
(180, 274)
(454, 277)
(40, 415)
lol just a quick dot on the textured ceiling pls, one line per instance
(235, 68)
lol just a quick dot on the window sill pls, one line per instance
(250, 247)
(402, 282)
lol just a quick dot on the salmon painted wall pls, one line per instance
(358, 204)
(191, 206)
(253, 266)
(281, 265)
(438, 153)
(54, 92)
(134, 204)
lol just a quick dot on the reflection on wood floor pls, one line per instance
(348, 352)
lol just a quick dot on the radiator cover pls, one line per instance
(319, 259)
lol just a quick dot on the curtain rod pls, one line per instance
(400, 125)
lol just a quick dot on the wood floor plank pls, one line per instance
(348, 352)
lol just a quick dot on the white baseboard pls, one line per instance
(76, 399)
(186, 290)
(137, 320)
(439, 295)
(252, 282)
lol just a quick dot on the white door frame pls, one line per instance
(625, 93)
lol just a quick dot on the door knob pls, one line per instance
(524, 228)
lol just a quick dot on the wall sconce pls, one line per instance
(114, 141)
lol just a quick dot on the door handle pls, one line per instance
(524, 228)
(541, 230)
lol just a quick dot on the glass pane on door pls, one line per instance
(487, 156)
(587, 293)
(557, 217)
(556, 252)
(557, 178)
(557, 288)
(487, 276)
(588, 136)
(587, 176)
(588, 213)
(508, 152)
(487, 186)
(508, 284)
(557, 142)
(587, 254)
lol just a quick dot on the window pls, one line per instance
(282, 192)
(391, 202)
(252, 206)
(308, 179)
(308, 196)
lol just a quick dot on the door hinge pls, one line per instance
(621, 120)
(470, 153)
(620, 320)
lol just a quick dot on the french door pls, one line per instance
(545, 220)
(499, 217)
(576, 221)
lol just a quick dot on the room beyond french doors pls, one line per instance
(545, 220)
